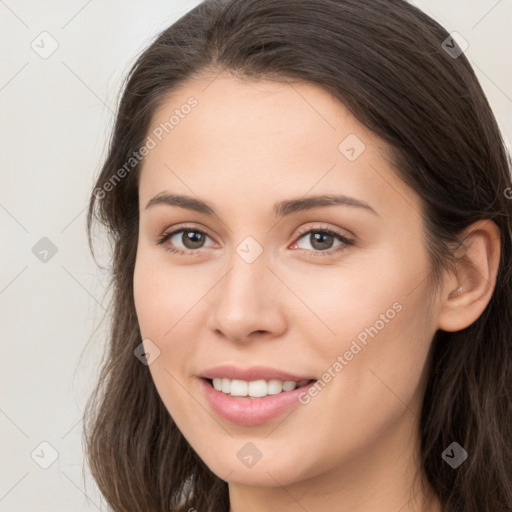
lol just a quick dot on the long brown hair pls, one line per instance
(389, 64)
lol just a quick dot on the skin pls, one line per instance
(246, 146)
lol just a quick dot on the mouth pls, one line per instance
(243, 409)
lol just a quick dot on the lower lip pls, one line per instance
(251, 411)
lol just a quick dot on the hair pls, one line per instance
(385, 61)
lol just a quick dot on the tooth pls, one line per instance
(274, 387)
(257, 388)
(289, 385)
(239, 387)
(226, 385)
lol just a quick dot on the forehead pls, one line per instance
(261, 137)
(279, 113)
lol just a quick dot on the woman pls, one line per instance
(309, 208)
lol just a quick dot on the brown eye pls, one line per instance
(322, 241)
(183, 240)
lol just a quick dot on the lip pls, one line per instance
(251, 374)
(251, 411)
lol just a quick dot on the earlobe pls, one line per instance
(470, 289)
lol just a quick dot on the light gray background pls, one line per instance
(56, 116)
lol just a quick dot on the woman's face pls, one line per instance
(267, 288)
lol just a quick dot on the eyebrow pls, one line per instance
(281, 209)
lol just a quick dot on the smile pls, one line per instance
(235, 400)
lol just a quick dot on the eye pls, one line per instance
(322, 240)
(191, 239)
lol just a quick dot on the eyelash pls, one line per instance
(346, 242)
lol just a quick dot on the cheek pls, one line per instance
(161, 308)
(164, 296)
(378, 363)
(374, 341)
(369, 389)
(167, 303)
(365, 291)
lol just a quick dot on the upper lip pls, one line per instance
(251, 374)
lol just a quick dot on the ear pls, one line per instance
(469, 290)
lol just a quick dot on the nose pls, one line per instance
(247, 303)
